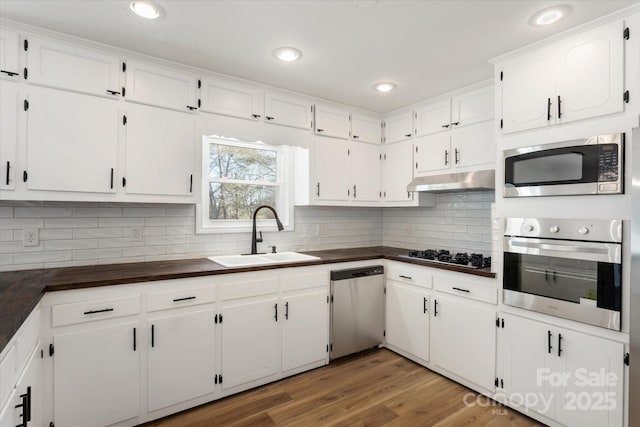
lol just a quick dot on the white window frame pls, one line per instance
(284, 182)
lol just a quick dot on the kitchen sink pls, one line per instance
(260, 259)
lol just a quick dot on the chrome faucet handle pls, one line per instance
(273, 249)
(259, 239)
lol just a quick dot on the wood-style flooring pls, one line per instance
(378, 388)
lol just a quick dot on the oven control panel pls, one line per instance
(596, 230)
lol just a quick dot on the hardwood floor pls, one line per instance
(378, 388)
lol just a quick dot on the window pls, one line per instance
(237, 178)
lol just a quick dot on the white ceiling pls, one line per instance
(428, 47)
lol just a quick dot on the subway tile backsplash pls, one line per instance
(74, 233)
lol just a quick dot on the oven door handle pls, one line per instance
(602, 252)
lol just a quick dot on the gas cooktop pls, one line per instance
(443, 256)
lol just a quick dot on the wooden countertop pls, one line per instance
(20, 291)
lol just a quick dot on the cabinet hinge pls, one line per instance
(331, 346)
(124, 181)
(625, 96)
(331, 298)
(501, 123)
(124, 120)
(327, 299)
(380, 156)
(26, 44)
(497, 322)
(384, 290)
(502, 322)
(25, 73)
(25, 105)
(626, 359)
(41, 354)
(501, 75)
(215, 318)
(199, 83)
(625, 34)
(220, 318)
(215, 379)
(327, 348)
(348, 151)
(199, 102)
(349, 118)
(501, 383)
(220, 379)
(25, 176)
(496, 382)
(51, 350)
(124, 67)
(123, 91)
(384, 333)
(416, 148)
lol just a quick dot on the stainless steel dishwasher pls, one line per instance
(357, 309)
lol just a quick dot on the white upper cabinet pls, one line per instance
(287, 110)
(397, 172)
(163, 87)
(577, 78)
(398, 127)
(472, 107)
(432, 153)
(433, 118)
(9, 99)
(365, 172)
(331, 169)
(231, 99)
(72, 141)
(332, 122)
(160, 151)
(474, 145)
(590, 78)
(68, 66)
(366, 129)
(9, 48)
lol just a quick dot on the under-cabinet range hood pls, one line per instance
(450, 182)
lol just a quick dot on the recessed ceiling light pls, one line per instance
(287, 54)
(384, 87)
(549, 15)
(145, 8)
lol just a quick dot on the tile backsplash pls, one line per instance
(74, 233)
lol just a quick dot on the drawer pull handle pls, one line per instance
(405, 277)
(104, 310)
(424, 305)
(461, 290)
(183, 299)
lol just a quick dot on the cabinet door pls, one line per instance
(474, 145)
(9, 99)
(71, 148)
(525, 347)
(332, 122)
(433, 153)
(154, 85)
(398, 127)
(458, 325)
(407, 320)
(528, 87)
(181, 358)
(331, 169)
(366, 129)
(305, 329)
(9, 39)
(8, 412)
(231, 99)
(472, 107)
(591, 73)
(29, 385)
(397, 172)
(67, 66)
(287, 110)
(96, 376)
(160, 151)
(594, 392)
(433, 118)
(250, 342)
(365, 172)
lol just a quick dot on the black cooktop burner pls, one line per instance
(444, 256)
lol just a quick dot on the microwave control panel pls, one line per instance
(608, 162)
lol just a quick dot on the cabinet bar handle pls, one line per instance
(256, 116)
(113, 92)
(134, 339)
(408, 135)
(184, 299)
(424, 305)
(435, 308)
(548, 109)
(559, 345)
(457, 159)
(455, 123)
(405, 277)
(318, 189)
(8, 167)
(354, 191)
(461, 290)
(446, 157)
(355, 137)
(111, 185)
(191, 108)
(9, 73)
(191, 183)
(549, 347)
(559, 107)
(104, 310)
(153, 335)
(275, 307)
(320, 130)
(445, 126)
(286, 310)
(269, 117)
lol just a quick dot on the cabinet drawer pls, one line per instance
(473, 289)
(410, 274)
(87, 311)
(248, 288)
(180, 298)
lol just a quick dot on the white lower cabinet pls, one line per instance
(249, 341)
(574, 378)
(96, 376)
(24, 406)
(458, 325)
(407, 319)
(181, 358)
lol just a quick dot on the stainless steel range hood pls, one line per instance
(462, 181)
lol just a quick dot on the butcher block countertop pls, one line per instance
(20, 291)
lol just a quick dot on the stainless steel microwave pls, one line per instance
(585, 166)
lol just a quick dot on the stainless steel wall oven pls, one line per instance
(566, 268)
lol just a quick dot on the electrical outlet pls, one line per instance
(135, 234)
(30, 237)
(322, 229)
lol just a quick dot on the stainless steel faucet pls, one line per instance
(254, 237)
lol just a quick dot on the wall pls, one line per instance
(73, 233)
